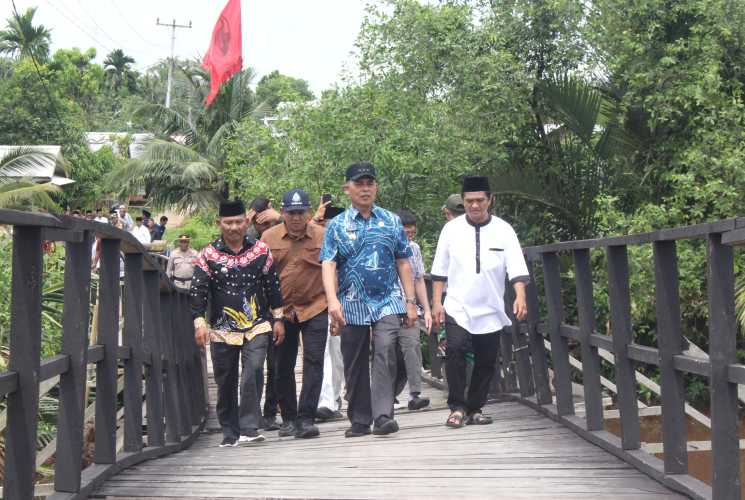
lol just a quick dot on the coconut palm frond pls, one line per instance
(740, 301)
(25, 193)
(25, 161)
(576, 103)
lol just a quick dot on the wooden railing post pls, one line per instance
(183, 380)
(559, 349)
(72, 383)
(620, 318)
(590, 359)
(173, 434)
(25, 349)
(153, 333)
(132, 338)
(723, 352)
(670, 343)
(535, 341)
(506, 356)
(108, 337)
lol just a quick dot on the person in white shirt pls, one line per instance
(474, 255)
(141, 232)
(125, 218)
(100, 218)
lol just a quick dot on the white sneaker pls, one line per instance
(244, 440)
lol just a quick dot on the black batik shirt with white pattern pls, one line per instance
(242, 287)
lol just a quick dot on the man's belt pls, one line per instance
(181, 279)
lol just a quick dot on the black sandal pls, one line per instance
(478, 418)
(455, 420)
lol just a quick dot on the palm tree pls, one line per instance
(118, 69)
(584, 132)
(183, 167)
(17, 186)
(22, 39)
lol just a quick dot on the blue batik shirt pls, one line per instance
(365, 252)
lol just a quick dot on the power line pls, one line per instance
(98, 27)
(97, 41)
(124, 18)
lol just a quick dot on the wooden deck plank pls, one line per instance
(521, 455)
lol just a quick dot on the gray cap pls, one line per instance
(454, 203)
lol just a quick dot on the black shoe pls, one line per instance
(229, 442)
(287, 429)
(418, 403)
(323, 414)
(357, 430)
(270, 424)
(305, 430)
(384, 425)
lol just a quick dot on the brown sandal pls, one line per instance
(455, 420)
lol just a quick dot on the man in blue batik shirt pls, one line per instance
(365, 252)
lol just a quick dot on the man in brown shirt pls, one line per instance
(296, 246)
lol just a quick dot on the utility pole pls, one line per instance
(173, 27)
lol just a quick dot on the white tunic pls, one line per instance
(475, 259)
(142, 234)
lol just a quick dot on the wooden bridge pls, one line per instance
(545, 442)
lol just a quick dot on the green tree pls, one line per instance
(21, 38)
(119, 72)
(183, 167)
(17, 186)
(276, 87)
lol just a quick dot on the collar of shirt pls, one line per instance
(354, 213)
(286, 234)
(221, 246)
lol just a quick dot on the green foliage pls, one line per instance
(21, 38)
(275, 88)
(201, 229)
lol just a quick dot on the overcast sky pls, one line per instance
(310, 39)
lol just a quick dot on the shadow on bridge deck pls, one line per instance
(522, 455)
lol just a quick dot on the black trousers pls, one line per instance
(238, 417)
(484, 348)
(270, 394)
(314, 333)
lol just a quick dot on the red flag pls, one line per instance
(225, 55)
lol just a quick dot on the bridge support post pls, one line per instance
(153, 335)
(70, 424)
(723, 352)
(670, 342)
(173, 434)
(590, 359)
(108, 337)
(620, 319)
(25, 351)
(535, 341)
(132, 338)
(559, 350)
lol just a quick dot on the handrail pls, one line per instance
(722, 369)
(158, 348)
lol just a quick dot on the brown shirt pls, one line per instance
(299, 267)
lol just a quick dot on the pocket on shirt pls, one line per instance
(491, 258)
(312, 256)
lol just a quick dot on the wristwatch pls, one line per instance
(411, 301)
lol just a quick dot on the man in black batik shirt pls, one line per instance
(237, 274)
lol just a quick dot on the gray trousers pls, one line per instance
(368, 401)
(409, 354)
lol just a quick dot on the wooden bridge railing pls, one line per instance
(157, 347)
(524, 359)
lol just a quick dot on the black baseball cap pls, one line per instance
(359, 170)
(296, 200)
